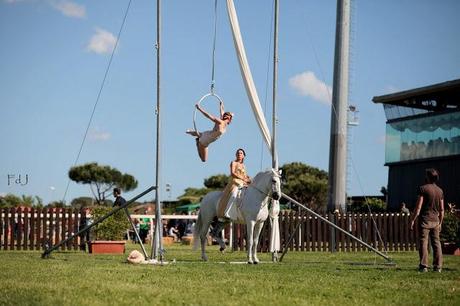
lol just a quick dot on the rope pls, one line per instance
(213, 65)
(98, 95)
(266, 82)
(214, 47)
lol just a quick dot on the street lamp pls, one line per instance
(168, 189)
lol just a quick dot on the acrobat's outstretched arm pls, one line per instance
(206, 114)
(222, 110)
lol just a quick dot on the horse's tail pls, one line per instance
(197, 231)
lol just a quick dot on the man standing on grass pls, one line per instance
(430, 207)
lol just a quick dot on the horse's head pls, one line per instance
(276, 184)
(268, 183)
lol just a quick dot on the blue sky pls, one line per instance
(53, 55)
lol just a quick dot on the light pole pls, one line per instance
(168, 190)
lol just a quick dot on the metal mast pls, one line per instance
(338, 140)
(157, 247)
(274, 210)
(275, 80)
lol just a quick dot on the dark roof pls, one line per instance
(436, 97)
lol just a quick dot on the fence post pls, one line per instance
(332, 244)
(13, 227)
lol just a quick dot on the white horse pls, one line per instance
(253, 211)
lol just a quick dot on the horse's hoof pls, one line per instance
(204, 258)
(256, 262)
(250, 262)
(222, 250)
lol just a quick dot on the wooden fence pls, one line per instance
(382, 231)
(31, 229)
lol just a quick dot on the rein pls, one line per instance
(268, 195)
(262, 192)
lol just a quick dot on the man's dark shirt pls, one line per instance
(119, 201)
(432, 196)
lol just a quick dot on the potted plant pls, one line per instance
(109, 235)
(450, 234)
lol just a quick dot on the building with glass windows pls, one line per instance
(422, 131)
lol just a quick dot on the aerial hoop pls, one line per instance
(211, 94)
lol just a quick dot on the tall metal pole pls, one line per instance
(157, 247)
(274, 210)
(338, 140)
(275, 81)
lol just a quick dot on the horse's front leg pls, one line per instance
(249, 239)
(257, 229)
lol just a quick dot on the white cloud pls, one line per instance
(307, 84)
(97, 134)
(52, 188)
(101, 42)
(69, 8)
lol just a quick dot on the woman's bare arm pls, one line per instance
(207, 115)
(222, 111)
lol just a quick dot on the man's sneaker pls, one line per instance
(438, 270)
(422, 269)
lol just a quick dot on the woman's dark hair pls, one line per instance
(432, 175)
(242, 150)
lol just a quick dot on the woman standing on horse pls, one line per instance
(238, 179)
(204, 139)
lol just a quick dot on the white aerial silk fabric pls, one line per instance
(257, 110)
(247, 75)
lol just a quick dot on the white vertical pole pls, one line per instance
(157, 248)
(275, 81)
(274, 211)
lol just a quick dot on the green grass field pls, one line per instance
(76, 278)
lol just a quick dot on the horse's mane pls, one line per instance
(259, 176)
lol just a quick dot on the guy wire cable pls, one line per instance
(98, 96)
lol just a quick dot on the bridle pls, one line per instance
(269, 195)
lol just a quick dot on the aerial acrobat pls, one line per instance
(204, 139)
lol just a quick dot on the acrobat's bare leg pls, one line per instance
(202, 151)
(193, 133)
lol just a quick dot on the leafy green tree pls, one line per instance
(306, 184)
(38, 203)
(101, 179)
(375, 205)
(11, 200)
(112, 228)
(27, 200)
(450, 230)
(79, 203)
(193, 195)
(56, 204)
(216, 182)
